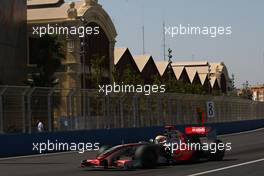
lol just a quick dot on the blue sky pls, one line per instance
(242, 52)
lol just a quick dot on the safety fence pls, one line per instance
(74, 109)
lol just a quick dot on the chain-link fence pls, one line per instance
(72, 109)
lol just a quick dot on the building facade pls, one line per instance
(13, 51)
(126, 69)
(87, 35)
(258, 93)
(81, 51)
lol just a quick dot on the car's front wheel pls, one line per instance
(147, 155)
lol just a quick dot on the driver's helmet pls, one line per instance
(160, 139)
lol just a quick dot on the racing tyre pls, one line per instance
(218, 155)
(147, 155)
(102, 149)
(195, 157)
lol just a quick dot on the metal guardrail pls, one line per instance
(72, 109)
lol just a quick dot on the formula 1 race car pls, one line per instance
(171, 147)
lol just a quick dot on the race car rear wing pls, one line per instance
(201, 131)
(196, 130)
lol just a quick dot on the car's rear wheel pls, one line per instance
(147, 155)
(219, 154)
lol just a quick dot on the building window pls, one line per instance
(33, 51)
(70, 46)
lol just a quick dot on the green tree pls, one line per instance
(48, 61)
(246, 93)
(128, 76)
(97, 70)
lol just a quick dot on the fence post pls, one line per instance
(121, 108)
(108, 112)
(179, 117)
(160, 117)
(169, 120)
(2, 110)
(73, 120)
(135, 111)
(88, 112)
(69, 107)
(72, 108)
(50, 110)
(24, 116)
(29, 110)
(148, 119)
(84, 108)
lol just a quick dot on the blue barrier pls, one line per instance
(22, 144)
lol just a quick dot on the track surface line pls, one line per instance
(227, 167)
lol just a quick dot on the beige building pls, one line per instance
(124, 65)
(165, 70)
(212, 76)
(214, 73)
(13, 52)
(147, 67)
(258, 92)
(88, 35)
(80, 51)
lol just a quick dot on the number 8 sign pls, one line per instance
(210, 109)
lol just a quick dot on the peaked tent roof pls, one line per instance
(213, 80)
(191, 72)
(141, 61)
(118, 53)
(161, 66)
(202, 69)
(217, 67)
(190, 63)
(202, 77)
(178, 71)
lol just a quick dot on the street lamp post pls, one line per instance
(83, 55)
(209, 78)
(83, 63)
(169, 61)
(233, 82)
